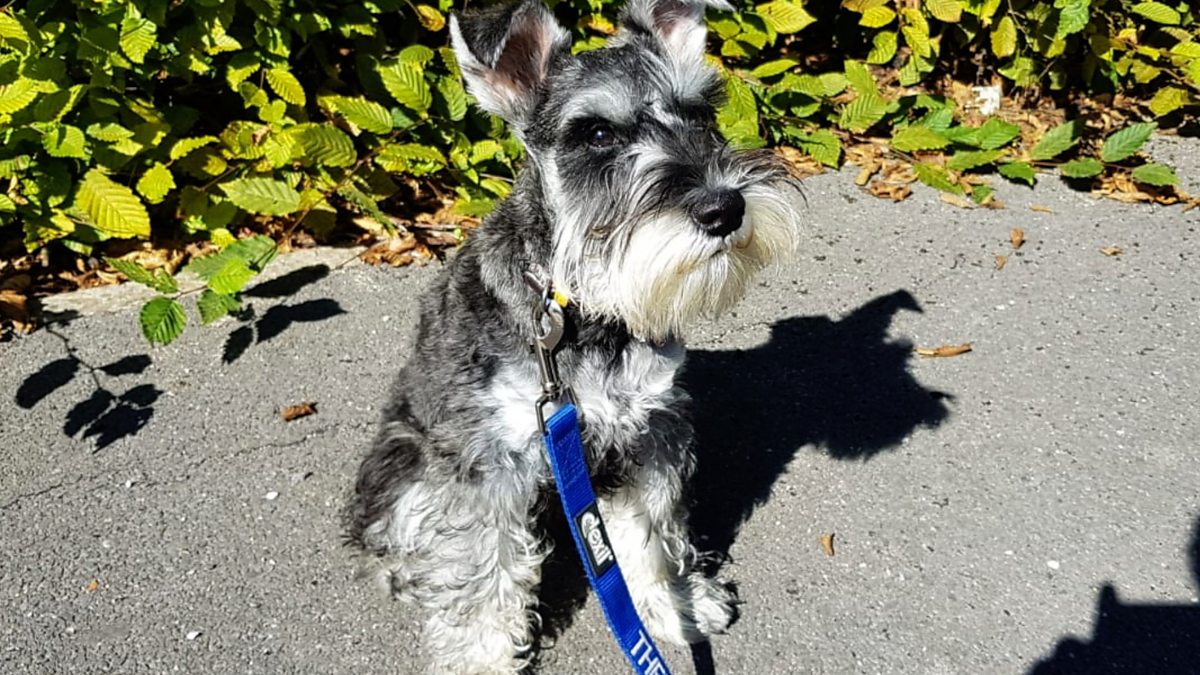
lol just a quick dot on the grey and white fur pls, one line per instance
(634, 205)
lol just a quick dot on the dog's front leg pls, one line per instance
(647, 526)
(485, 566)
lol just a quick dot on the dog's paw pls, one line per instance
(714, 606)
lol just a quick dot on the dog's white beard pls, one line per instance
(670, 273)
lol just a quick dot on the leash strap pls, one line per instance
(565, 446)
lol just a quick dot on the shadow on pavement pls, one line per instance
(1132, 639)
(279, 318)
(105, 416)
(841, 385)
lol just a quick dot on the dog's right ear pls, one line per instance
(505, 53)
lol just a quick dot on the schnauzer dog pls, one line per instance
(635, 208)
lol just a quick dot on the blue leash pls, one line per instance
(565, 448)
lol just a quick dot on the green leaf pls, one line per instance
(883, 47)
(184, 146)
(1127, 141)
(936, 178)
(917, 137)
(162, 320)
(262, 195)
(949, 11)
(862, 113)
(327, 145)
(406, 83)
(454, 96)
(258, 251)
(213, 305)
(13, 34)
(997, 133)
(416, 54)
(1057, 141)
(968, 159)
(1158, 175)
(1004, 37)
(860, 79)
(772, 68)
(286, 86)
(1158, 13)
(785, 16)
(1086, 167)
(823, 146)
(411, 158)
(65, 141)
(161, 281)
(367, 205)
(1072, 18)
(916, 32)
(137, 37)
(1021, 171)
(155, 183)
(231, 276)
(16, 95)
(109, 133)
(364, 114)
(113, 208)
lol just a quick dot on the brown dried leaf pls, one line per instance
(1017, 237)
(1111, 251)
(14, 306)
(1040, 209)
(396, 251)
(1001, 261)
(955, 200)
(944, 350)
(92, 586)
(868, 170)
(827, 543)
(294, 412)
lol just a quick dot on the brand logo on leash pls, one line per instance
(591, 528)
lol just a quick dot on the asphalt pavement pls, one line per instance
(1032, 506)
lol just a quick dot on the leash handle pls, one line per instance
(565, 450)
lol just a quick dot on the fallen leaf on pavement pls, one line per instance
(93, 586)
(1001, 261)
(1017, 236)
(955, 200)
(1111, 251)
(827, 543)
(1041, 209)
(945, 350)
(293, 412)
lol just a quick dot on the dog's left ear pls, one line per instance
(678, 24)
(505, 52)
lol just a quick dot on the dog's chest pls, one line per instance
(616, 397)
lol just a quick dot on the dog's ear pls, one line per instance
(505, 53)
(678, 24)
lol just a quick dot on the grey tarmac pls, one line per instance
(157, 515)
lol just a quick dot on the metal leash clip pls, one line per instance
(548, 325)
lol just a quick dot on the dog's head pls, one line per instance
(656, 220)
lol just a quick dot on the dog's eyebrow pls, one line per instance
(610, 103)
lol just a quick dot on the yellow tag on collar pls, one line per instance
(561, 298)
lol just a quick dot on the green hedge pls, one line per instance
(123, 119)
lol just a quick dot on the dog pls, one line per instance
(637, 211)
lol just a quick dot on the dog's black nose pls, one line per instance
(720, 212)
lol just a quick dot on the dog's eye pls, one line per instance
(601, 136)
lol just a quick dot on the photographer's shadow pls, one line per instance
(840, 385)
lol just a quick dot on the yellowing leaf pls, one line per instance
(1157, 12)
(430, 18)
(155, 183)
(1004, 37)
(1169, 99)
(113, 208)
(949, 11)
(785, 16)
(877, 17)
(286, 86)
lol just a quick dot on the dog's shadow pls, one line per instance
(842, 386)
